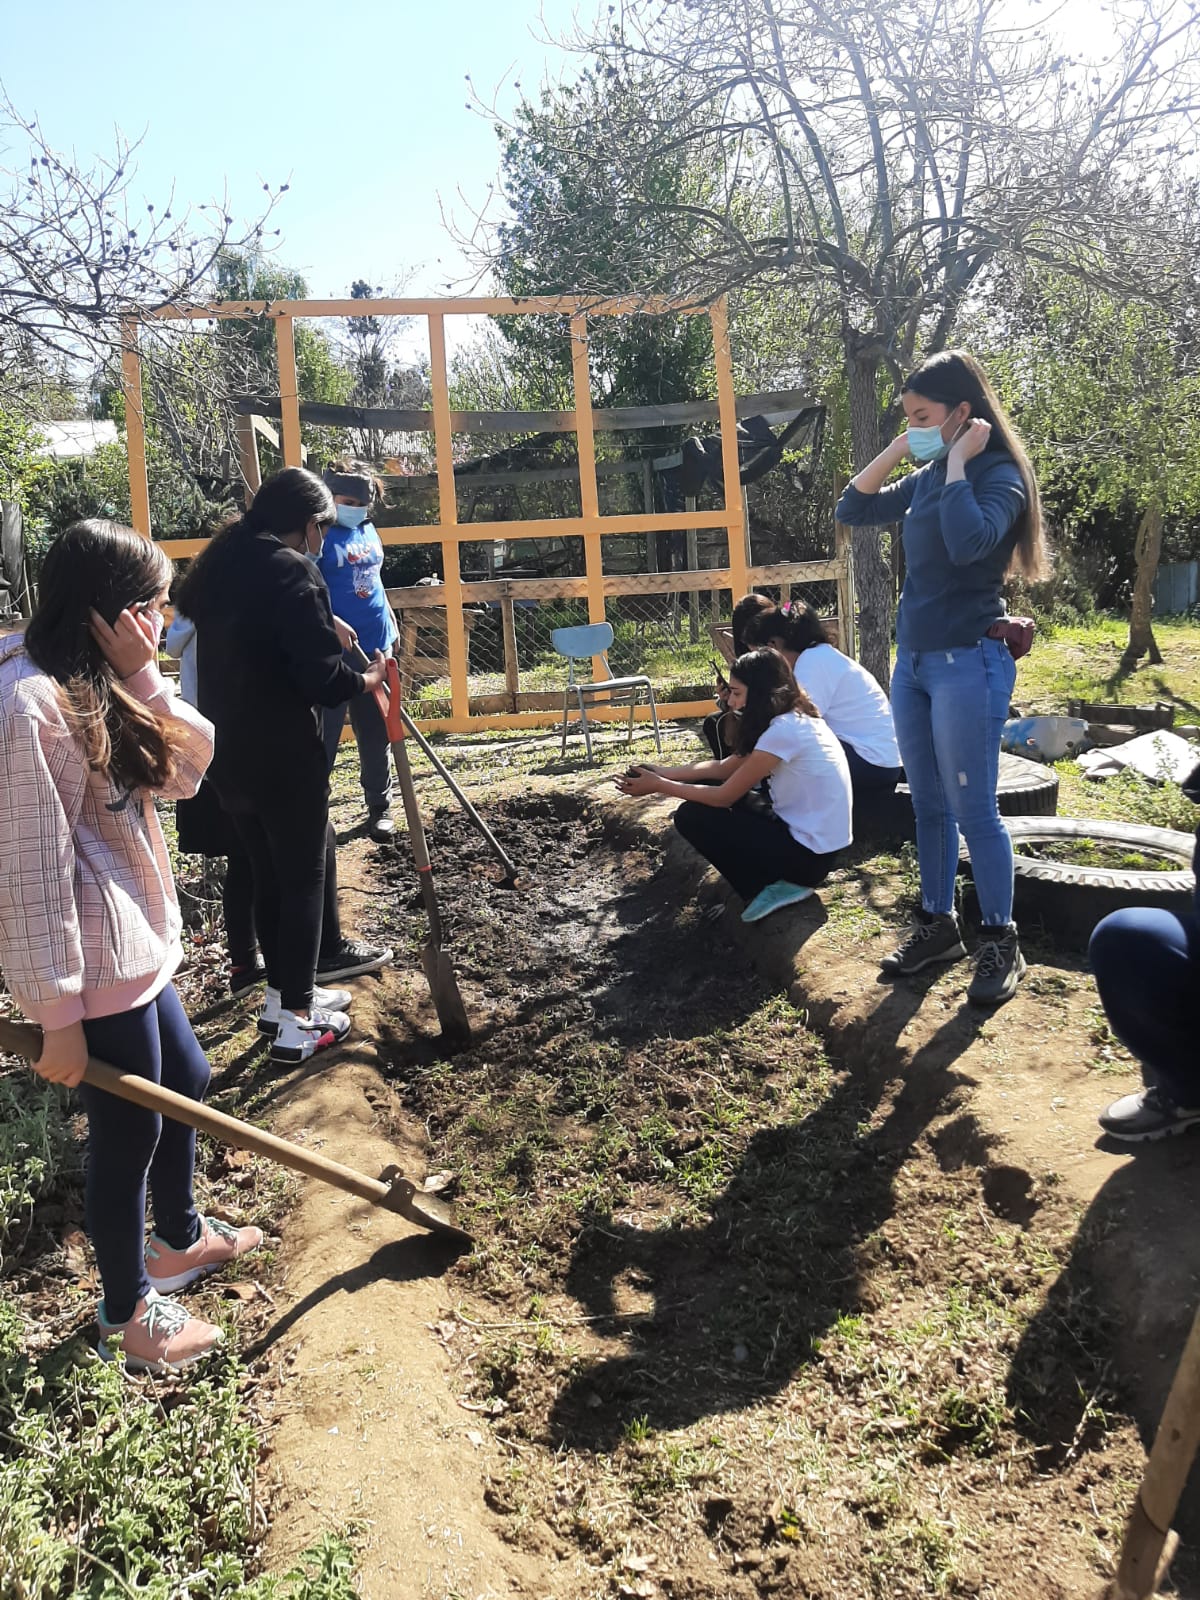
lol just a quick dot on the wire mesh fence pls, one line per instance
(672, 637)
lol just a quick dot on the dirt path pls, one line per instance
(371, 1434)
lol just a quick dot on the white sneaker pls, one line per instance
(297, 1038)
(323, 999)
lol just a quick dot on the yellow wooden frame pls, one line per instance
(448, 532)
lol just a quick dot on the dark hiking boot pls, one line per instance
(930, 939)
(999, 967)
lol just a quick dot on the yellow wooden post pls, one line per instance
(456, 638)
(135, 426)
(289, 392)
(727, 411)
(589, 499)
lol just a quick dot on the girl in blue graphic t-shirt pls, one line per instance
(351, 563)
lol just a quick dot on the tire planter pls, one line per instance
(1069, 899)
(1024, 789)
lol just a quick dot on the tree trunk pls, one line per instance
(1147, 550)
(872, 570)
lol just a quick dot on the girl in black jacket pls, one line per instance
(268, 654)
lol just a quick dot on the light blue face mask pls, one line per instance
(926, 444)
(351, 516)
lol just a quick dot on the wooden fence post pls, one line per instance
(589, 499)
(289, 392)
(693, 565)
(512, 674)
(727, 413)
(456, 637)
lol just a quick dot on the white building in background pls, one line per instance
(64, 440)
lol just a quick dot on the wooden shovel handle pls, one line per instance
(1171, 1456)
(18, 1038)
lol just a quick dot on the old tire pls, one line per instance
(1068, 899)
(1024, 789)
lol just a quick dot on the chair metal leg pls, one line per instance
(587, 732)
(629, 735)
(563, 750)
(654, 718)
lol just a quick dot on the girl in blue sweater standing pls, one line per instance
(970, 516)
(351, 563)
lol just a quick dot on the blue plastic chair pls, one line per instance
(590, 640)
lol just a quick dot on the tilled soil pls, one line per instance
(742, 1319)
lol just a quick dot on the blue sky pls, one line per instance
(359, 104)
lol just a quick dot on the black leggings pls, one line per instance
(865, 774)
(237, 904)
(750, 848)
(293, 857)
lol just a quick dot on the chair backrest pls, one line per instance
(588, 639)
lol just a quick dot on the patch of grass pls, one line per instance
(1083, 662)
(35, 1149)
(1127, 797)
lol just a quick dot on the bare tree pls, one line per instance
(78, 252)
(886, 157)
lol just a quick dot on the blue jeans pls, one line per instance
(1147, 967)
(949, 707)
(374, 752)
(128, 1146)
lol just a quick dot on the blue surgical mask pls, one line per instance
(351, 516)
(926, 444)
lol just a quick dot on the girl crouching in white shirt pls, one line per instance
(772, 858)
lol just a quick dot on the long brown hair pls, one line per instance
(107, 567)
(770, 691)
(954, 376)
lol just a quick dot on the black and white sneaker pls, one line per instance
(323, 999)
(298, 1038)
(1136, 1118)
(350, 959)
(381, 827)
(242, 980)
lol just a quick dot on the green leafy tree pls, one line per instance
(892, 158)
(1109, 394)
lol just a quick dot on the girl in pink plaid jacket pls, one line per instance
(89, 920)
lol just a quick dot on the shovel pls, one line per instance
(443, 985)
(391, 1189)
(361, 661)
(1150, 1542)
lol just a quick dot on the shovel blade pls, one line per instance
(447, 1002)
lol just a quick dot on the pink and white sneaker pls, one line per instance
(171, 1270)
(161, 1336)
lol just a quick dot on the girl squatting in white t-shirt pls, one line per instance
(845, 694)
(772, 858)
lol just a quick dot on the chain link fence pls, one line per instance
(512, 664)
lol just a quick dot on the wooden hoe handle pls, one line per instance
(18, 1038)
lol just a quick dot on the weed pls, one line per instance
(35, 1148)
